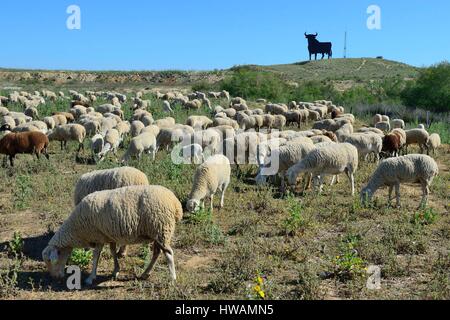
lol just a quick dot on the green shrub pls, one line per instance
(251, 84)
(431, 90)
(81, 257)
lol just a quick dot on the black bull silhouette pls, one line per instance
(315, 47)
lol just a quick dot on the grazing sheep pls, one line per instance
(398, 123)
(374, 130)
(69, 132)
(165, 123)
(107, 180)
(112, 142)
(69, 116)
(92, 127)
(166, 107)
(287, 155)
(31, 112)
(433, 142)
(8, 122)
(50, 122)
(414, 168)
(343, 132)
(129, 215)
(391, 145)
(212, 175)
(192, 153)
(97, 143)
(383, 126)
(136, 128)
(145, 142)
(199, 122)
(225, 122)
(231, 113)
(366, 144)
(377, 118)
(333, 159)
(60, 120)
(279, 122)
(194, 104)
(24, 142)
(417, 136)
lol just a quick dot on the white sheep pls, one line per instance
(383, 126)
(129, 215)
(333, 159)
(192, 153)
(417, 136)
(145, 142)
(414, 168)
(112, 142)
(398, 124)
(285, 157)
(213, 175)
(97, 143)
(366, 143)
(166, 107)
(68, 132)
(433, 142)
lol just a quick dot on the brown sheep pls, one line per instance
(79, 103)
(335, 114)
(69, 116)
(391, 144)
(331, 135)
(24, 143)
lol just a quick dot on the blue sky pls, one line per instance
(212, 34)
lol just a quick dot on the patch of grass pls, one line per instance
(15, 246)
(81, 258)
(438, 288)
(22, 192)
(424, 217)
(295, 222)
(348, 264)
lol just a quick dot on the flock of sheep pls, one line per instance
(118, 206)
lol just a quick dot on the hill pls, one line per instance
(363, 69)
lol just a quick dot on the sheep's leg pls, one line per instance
(333, 181)
(122, 252)
(222, 198)
(425, 193)
(46, 154)
(116, 270)
(156, 252)
(397, 194)
(170, 260)
(11, 160)
(212, 202)
(5, 161)
(97, 252)
(391, 188)
(351, 178)
(62, 145)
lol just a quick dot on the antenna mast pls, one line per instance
(345, 45)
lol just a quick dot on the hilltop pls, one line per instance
(339, 70)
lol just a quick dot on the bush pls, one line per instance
(431, 90)
(251, 84)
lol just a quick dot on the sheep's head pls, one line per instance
(366, 196)
(193, 205)
(291, 177)
(55, 259)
